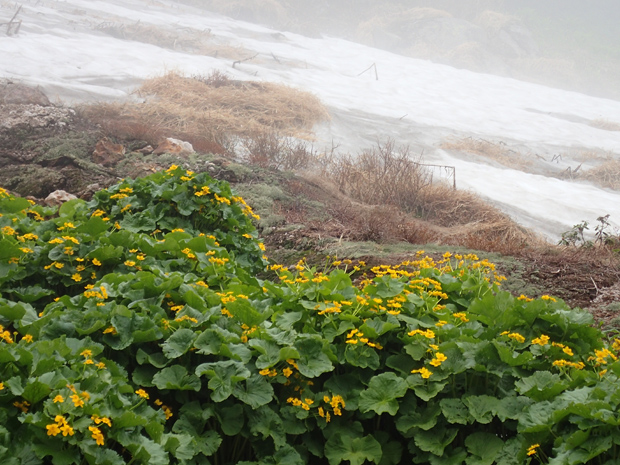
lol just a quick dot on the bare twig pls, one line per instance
(374, 65)
(275, 58)
(9, 25)
(245, 59)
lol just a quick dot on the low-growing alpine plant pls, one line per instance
(134, 330)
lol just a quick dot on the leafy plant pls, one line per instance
(135, 330)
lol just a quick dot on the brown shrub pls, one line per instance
(271, 150)
(383, 174)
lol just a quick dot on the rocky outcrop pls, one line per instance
(15, 93)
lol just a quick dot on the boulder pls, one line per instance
(107, 153)
(15, 93)
(174, 146)
(58, 198)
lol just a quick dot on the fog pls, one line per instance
(84, 50)
(570, 44)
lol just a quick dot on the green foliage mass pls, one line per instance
(134, 330)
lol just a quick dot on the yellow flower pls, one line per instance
(77, 277)
(424, 372)
(77, 401)
(142, 393)
(59, 398)
(542, 340)
(27, 338)
(130, 263)
(67, 430)
(287, 372)
(532, 449)
(52, 429)
(440, 323)
(439, 359)
(1, 386)
(96, 435)
(96, 262)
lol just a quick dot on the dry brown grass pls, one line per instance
(605, 175)
(184, 39)
(499, 152)
(470, 221)
(605, 124)
(210, 111)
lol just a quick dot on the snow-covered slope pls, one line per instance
(61, 48)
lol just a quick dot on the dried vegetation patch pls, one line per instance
(498, 152)
(210, 110)
(606, 175)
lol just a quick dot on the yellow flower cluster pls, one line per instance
(268, 372)
(189, 253)
(5, 335)
(424, 372)
(601, 356)
(461, 316)
(355, 336)
(515, 336)
(304, 404)
(247, 210)
(60, 425)
(567, 363)
(532, 449)
(204, 190)
(218, 261)
(542, 340)
(429, 334)
(221, 199)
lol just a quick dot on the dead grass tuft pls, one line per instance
(605, 124)
(210, 111)
(606, 174)
(472, 222)
(495, 151)
(184, 39)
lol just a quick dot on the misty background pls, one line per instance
(568, 44)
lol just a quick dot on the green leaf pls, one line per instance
(382, 392)
(356, 450)
(455, 411)
(255, 391)
(484, 448)
(362, 356)
(231, 419)
(178, 343)
(312, 360)
(176, 377)
(435, 440)
(222, 377)
(481, 407)
(542, 385)
(35, 391)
